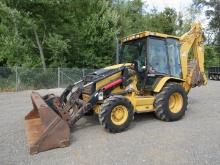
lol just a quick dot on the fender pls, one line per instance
(160, 84)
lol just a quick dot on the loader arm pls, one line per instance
(48, 124)
(193, 71)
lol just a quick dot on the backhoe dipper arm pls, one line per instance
(193, 73)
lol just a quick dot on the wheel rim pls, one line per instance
(119, 115)
(175, 102)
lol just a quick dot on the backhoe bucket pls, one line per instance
(45, 129)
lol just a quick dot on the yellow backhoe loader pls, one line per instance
(154, 75)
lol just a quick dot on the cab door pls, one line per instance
(157, 61)
(173, 49)
(157, 56)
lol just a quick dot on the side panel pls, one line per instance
(143, 103)
(107, 80)
(163, 81)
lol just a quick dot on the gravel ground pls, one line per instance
(193, 140)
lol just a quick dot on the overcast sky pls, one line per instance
(179, 5)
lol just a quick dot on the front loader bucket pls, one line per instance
(45, 129)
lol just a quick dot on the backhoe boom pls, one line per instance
(193, 71)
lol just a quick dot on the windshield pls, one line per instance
(133, 50)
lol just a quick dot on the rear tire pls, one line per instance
(171, 102)
(116, 114)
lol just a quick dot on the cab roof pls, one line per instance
(145, 34)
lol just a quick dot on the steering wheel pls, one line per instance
(137, 66)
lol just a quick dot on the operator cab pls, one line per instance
(153, 57)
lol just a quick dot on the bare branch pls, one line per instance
(40, 49)
(44, 36)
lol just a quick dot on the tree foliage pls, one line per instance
(212, 8)
(79, 33)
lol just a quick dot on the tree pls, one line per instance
(164, 22)
(57, 33)
(213, 14)
(131, 17)
(96, 33)
(67, 33)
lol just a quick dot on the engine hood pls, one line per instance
(110, 68)
(104, 72)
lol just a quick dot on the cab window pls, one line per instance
(157, 56)
(174, 57)
(134, 50)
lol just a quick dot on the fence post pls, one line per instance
(58, 77)
(83, 70)
(16, 78)
(117, 47)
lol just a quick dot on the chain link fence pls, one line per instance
(18, 79)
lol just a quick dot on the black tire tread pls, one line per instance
(161, 99)
(106, 108)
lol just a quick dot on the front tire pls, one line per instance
(171, 102)
(116, 114)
